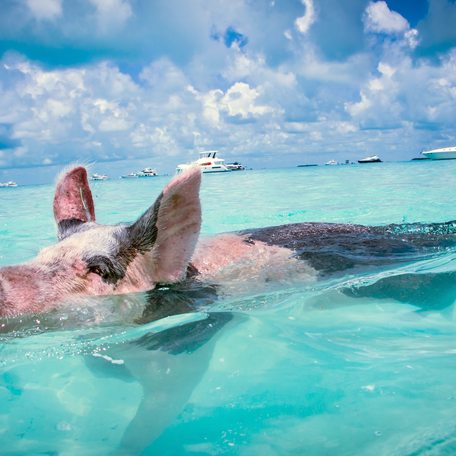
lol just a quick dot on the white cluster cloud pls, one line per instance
(378, 105)
(303, 23)
(378, 18)
(404, 94)
(240, 101)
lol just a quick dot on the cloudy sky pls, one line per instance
(266, 82)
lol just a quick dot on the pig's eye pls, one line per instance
(110, 271)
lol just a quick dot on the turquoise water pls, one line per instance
(290, 369)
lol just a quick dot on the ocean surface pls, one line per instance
(282, 369)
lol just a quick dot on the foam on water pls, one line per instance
(358, 363)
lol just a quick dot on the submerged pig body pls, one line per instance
(161, 248)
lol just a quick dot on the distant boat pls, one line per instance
(371, 159)
(235, 166)
(98, 177)
(145, 172)
(445, 153)
(127, 176)
(208, 162)
(8, 184)
(331, 162)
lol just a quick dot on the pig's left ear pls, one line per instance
(170, 228)
(73, 202)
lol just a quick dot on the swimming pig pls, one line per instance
(161, 248)
(93, 259)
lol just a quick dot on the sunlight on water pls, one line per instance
(359, 362)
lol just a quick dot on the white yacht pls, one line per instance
(208, 162)
(129, 175)
(235, 166)
(445, 153)
(146, 172)
(8, 184)
(98, 177)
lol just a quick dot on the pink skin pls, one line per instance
(93, 259)
(73, 198)
(227, 259)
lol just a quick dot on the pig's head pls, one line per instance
(93, 259)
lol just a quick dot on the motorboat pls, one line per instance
(8, 184)
(98, 177)
(235, 166)
(331, 162)
(445, 153)
(208, 162)
(145, 172)
(129, 175)
(371, 159)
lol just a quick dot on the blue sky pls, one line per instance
(268, 83)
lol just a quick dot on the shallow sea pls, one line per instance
(288, 369)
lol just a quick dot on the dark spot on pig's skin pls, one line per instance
(175, 200)
(111, 271)
(66, 228)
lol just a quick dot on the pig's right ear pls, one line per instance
(170, 228)
(73, 202)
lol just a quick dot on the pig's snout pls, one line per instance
(3, 303)
(25, 289)
(17, 289)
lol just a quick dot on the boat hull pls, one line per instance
(205, 170)
(212, 170)
(441, 155)
(370, 161)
